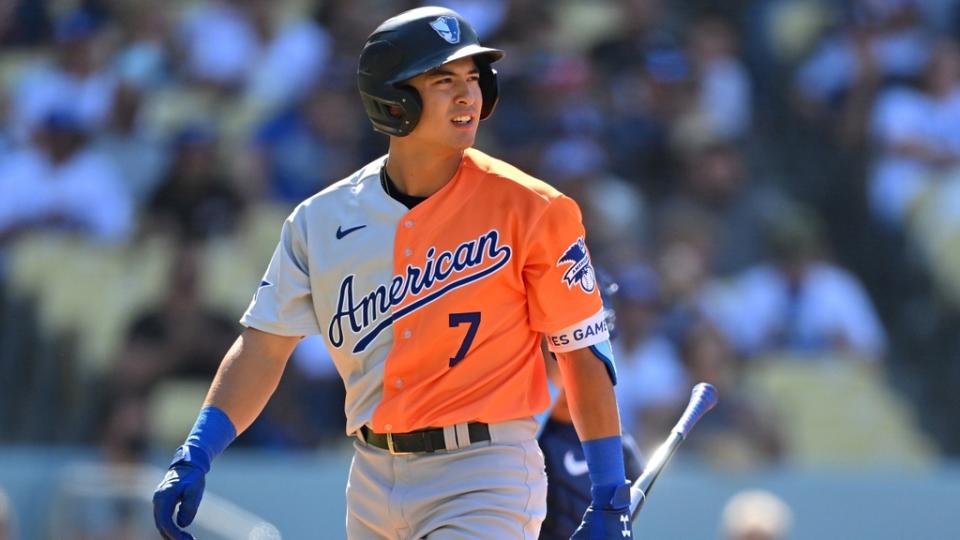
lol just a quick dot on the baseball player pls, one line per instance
(568, 485)
(433, 273)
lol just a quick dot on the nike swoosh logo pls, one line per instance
(343, 232)
(574, 466)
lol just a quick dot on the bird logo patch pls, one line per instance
(448, 28)
(580, 271)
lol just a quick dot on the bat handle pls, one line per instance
(702, 399)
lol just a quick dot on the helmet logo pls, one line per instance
(448, 28)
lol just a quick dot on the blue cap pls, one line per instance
(76, 25)
(667, 64)
(195, 134)
(63, 121)
(638, 283)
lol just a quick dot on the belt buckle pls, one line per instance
(391, 449)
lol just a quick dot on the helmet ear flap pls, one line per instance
(489, 88)
(396, 111)
(411, 106)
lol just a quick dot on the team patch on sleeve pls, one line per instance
(581, 335)
(579, 271)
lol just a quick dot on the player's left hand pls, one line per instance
(608, 523)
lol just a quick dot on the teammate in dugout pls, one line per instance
(433, 272)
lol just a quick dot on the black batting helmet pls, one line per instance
(407, 45)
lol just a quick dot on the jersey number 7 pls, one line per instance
(473, 319)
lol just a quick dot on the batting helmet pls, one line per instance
(407, 45)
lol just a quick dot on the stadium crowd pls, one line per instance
(771, 182)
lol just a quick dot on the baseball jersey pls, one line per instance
(434, 315)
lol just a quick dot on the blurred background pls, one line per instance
(774, 184)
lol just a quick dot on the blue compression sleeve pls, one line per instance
(605, 461)
(211, 435)
(604, 352)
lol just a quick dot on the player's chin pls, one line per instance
(461, 139)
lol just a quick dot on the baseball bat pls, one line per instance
(702, 399)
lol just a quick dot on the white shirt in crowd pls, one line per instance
(85, 190)
(835, 66)
(46, 88)
(649, 375)
(903, 115)
(725, 97)
(222, 46)
(828, 306)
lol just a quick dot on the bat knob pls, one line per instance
(703, 398)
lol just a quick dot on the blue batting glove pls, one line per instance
(609, 522)
(183, 484)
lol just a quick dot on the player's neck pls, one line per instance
(419, 173)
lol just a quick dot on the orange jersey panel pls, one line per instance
(483, 268)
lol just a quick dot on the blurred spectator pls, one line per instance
(756, 514)
(293, 54)
(616, 214)
(74, 80)
(917, 133)
(143, 58)
(243, 45)
(802, 303)
(139, 156)
(180, 337)
(196, 200)
(64, 184)
(642, 24)
(883, 44)
(717, 183)
(692, 349)
(723, 98)
(684, 250)
(219, 43)
(649, 85)
(652, 380)
(741, 433)
(24, 22)
(349, 24)
(550, 107)
(306, 147)
(646, 101)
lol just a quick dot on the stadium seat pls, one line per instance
(172, 409)
(838, 411)
(32, 260)
(934, 229)
(234, 265)
(87, 289)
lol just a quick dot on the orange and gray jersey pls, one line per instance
(434, 314)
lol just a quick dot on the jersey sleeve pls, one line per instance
(283, 303)
(563, 299)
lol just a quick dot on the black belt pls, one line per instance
(424, 440)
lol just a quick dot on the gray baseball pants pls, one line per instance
(492, 490)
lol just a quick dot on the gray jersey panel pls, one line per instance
(335, 249)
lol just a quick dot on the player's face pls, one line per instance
(451, 104)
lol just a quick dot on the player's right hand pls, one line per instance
(183, 484)
(611, 522)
